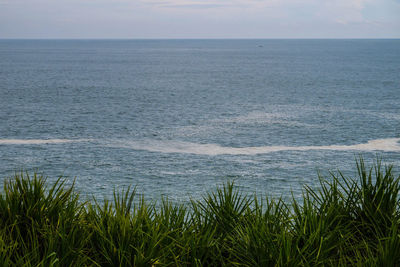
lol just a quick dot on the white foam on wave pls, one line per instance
(257, 117)
(265, 118)
(388, 145)
(38, 141)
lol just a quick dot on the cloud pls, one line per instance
(344, 11)
(195, 5)
(209, 3)
(199, 18)
(333, 11)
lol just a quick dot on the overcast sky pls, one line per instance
(199, 18)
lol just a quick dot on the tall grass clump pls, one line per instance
(343, 222)
(41, 224)
(124, 233)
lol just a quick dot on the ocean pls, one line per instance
(175, 118)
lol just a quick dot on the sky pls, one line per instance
(117, 19)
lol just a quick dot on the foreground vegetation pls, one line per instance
(345, 222)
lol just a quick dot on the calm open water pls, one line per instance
(177, 117)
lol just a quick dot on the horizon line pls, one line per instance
(189, 38)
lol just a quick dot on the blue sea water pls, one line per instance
(177, 117)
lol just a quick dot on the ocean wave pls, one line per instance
(388, 145)
(38, 141)
(265, 118)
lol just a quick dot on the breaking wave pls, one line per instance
(388, 145)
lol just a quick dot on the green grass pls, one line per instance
(352, 222)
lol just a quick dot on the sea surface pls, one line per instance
(177, 117)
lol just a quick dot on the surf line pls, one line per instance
(387, 145)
